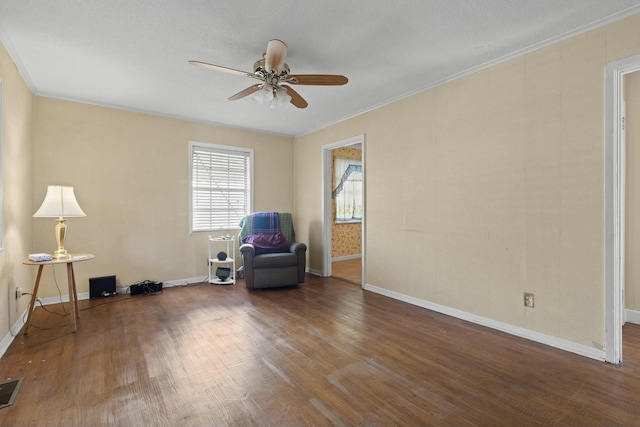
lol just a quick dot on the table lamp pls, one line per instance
(59, 202)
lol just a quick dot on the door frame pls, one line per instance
(326, 202)
(615, 160)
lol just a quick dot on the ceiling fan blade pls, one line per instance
(296, 99)
(245, 92)
(317, 79)
(275, 56)
(220, 68)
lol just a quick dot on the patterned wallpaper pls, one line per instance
(346, 239)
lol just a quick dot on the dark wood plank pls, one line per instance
(325, 353)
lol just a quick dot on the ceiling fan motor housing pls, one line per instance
(260, 70)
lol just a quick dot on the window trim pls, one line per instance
(219, 147)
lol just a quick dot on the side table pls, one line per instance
(71, 280)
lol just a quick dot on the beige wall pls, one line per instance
(632, 202)
(488, 187)
(16, 186)
(130, 174)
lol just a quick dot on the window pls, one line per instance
(347, 190)
(221, 185)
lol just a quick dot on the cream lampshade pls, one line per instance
(59, 202)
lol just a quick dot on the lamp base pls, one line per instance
(60, 254)
(61, 232)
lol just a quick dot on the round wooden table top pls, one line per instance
(72, 258)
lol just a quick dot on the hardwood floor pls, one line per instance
(324, 353)
(349, 270)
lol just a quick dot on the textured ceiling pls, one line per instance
(133, 54)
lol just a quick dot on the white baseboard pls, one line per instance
(632, 316)
(6, 342)
(63, 298)
(549, 340)
(13, 332)
(184, 282)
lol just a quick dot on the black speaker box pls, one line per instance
(100, 287)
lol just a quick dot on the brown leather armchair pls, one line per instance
(270, 267)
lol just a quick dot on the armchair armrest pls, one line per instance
(300, 249)
(247, 249)
(297, 247)
(248, 252)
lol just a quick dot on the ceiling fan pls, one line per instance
(273, 73)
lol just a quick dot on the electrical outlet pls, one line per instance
(18, 292)
(528, 300)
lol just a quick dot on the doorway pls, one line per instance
(631, 143)
(615, 197)
(343, 239)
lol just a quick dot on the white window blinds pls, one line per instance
(220, 186)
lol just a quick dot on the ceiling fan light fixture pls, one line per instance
(264, 95)
(281, 96)
(272, 96)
